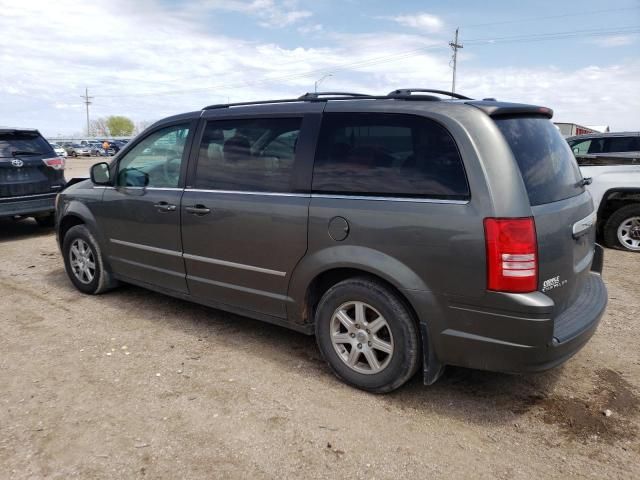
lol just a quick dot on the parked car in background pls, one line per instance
(31, 174)
(59, 149)
(406, 231)
(97, 150)
(615, 188)
(77, 150)
(599, 143)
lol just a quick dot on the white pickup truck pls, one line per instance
(615, 188)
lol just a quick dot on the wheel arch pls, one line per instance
(614, 199)
(316, 273)
(75, 213)
(319, 272)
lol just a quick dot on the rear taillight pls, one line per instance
(57, 163)
(512, 254)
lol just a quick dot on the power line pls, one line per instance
(549, 17)
(391, 58)
(506, 22)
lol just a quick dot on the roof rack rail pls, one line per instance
(258, 102)
(406, 92)
(317, 95)
(307, 97)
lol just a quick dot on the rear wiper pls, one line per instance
(25, 152)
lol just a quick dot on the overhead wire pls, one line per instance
(632, 29)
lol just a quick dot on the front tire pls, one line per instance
(367, 335)
(622, 229)
(84, 263)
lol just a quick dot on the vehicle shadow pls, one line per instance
(470, 395)
(11, 230)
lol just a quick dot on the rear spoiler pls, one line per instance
(503, 109)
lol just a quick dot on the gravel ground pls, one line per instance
(133, 384)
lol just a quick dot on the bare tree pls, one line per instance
(98, 128)
(143, 125)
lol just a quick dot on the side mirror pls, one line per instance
(100, 174)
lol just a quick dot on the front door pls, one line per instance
(141, 213)
(244, 224)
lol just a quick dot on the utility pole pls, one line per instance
(455, 46)
(87, 102)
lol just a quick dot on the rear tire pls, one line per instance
(622, 228)
(367, 335)
(84, 263)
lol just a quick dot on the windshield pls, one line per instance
(22, 142)
(549, 169)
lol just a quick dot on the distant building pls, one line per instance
(571, 129)
(600, 128)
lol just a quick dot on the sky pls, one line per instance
(149, 59)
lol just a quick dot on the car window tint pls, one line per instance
(548, 167)
(580, 147)
(597, 145)
(622, 144)
(248, 155)
(11, 142)
(388, 155)
(155, 161)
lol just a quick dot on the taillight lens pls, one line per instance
(512, 254)
(57, 163)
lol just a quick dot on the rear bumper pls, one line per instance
(28, 205)
(523, 338)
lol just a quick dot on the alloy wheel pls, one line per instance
(82, 261)
(361, 337)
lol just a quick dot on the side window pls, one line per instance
(621, 144)
(388, 154)
(155, 161)
(580, 147)
(248, 155)
(596, 146)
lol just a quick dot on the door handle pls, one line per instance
(197, 210)
(164, 206)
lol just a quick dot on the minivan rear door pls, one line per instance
(563, 211)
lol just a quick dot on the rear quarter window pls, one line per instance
(548, 167)
(388, 155)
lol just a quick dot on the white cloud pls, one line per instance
(313, 28)
(614, 40)
(270, 13)
(150, 63)
(422, 21)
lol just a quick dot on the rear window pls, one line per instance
(549, 169)
(11, 142)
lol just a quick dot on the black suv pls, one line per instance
(31, 174)
(404, 230)
(603, 143)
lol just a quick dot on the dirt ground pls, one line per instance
(133, 384)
